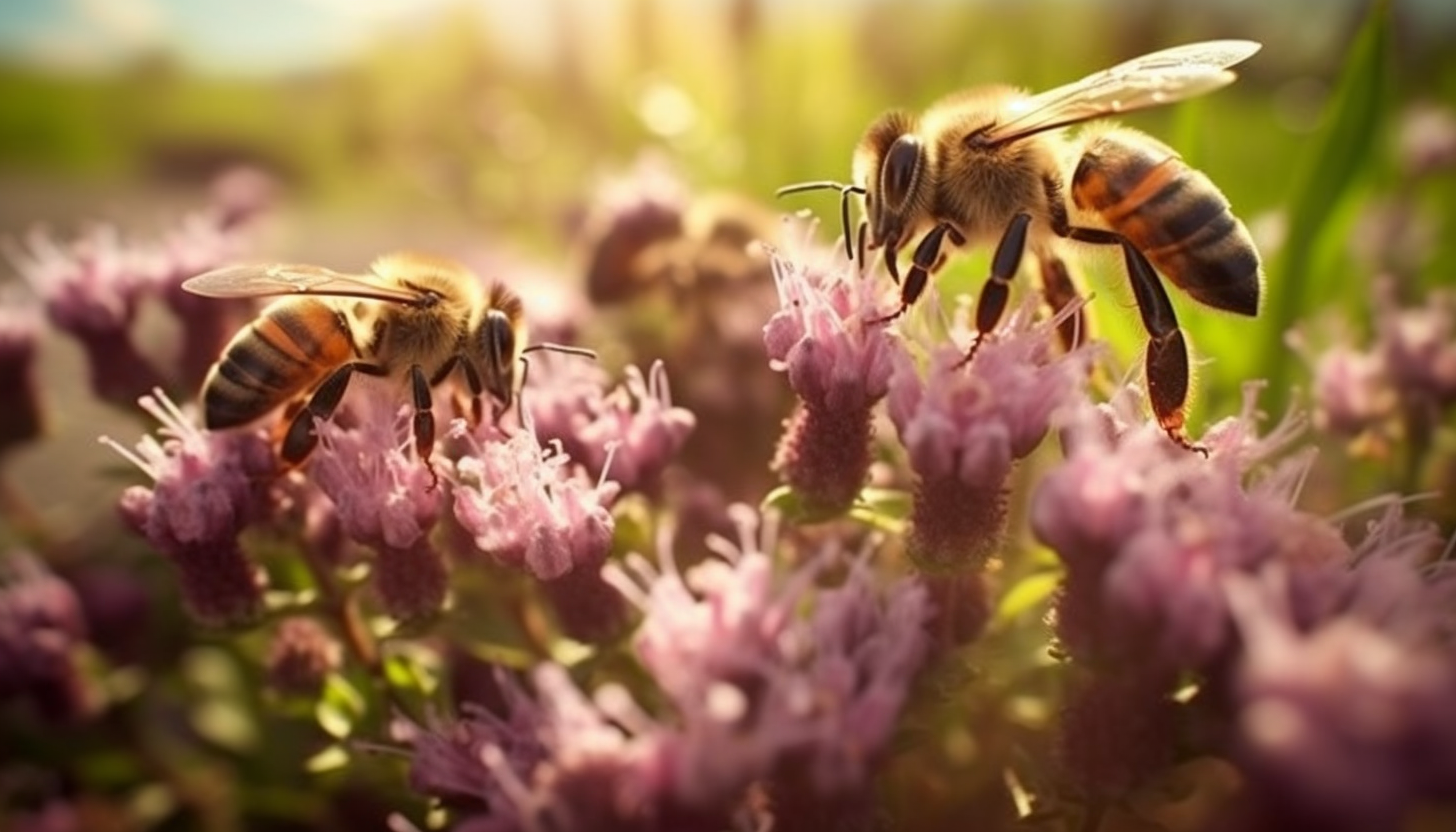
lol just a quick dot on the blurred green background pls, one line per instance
(442, 124)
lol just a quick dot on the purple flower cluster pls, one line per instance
(838, 362)
(761, 692)
(301, 656)
(635, 427)
(387, 500)
(964, 424)
(92, 286)
(1325, 661)
(1402, 384)
(207, 487)
(531, 508)
(20, 419)
(1347, 724)
(41, 629)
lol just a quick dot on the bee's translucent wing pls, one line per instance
(1152, 80)
(250, 281)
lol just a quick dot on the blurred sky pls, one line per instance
(272, 36)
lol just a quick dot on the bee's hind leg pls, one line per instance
(300, 439)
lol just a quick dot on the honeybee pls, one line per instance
(992, 163)
(414, 318)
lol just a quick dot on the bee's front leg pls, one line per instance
(472, 381)
(926, 261)
(991, 304)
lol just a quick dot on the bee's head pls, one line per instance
(890, 165)
(498, 348)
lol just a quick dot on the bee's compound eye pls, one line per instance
(902, 165)
(500, 339)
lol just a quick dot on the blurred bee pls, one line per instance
(992, 163)
(702, 246)
(414, 318)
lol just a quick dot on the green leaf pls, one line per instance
(333, 719)
(1027, 594)
(341, 695)
(570, 653)
(784, 500)
(225, 723)
(885, 509)
(332, 758)
(406, 671)
(1340, 151)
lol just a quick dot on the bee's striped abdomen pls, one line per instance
(1173, 214)
(291, 346)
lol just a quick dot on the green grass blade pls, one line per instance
(1341, 152)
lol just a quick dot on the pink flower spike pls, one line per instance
(207, 488)
(529, 507)
(838, 362)
(90, 289)
(763, 687)
(382, 492)
(20, 419)
(635, 425)
(963, 425)
(388, 500)
(1344, 726)
(41, 627)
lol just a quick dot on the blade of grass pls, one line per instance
(1340, 153)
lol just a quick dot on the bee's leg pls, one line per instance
(991, 305)
(1166, 365)
(927, 259)
(1061, 292)
(301, 438)
(424, 421)
(472, 381)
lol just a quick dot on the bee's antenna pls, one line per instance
(547, 346)
(564, 349)
(526, 369)
(820, 185)
(844, 192)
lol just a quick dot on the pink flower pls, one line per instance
(838, 361)
(90, 288)
(627, 216)
(762, 688)
(301, 656)
(1418, 347)
(563, 761)
(207, 488)
(1345, 726)
(41, 627)
(635, 426)
(963, 425)
(1352, 391)
(20, 419)
(387, 499)
(532, 509)
(528, 507)
(1146, 529)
